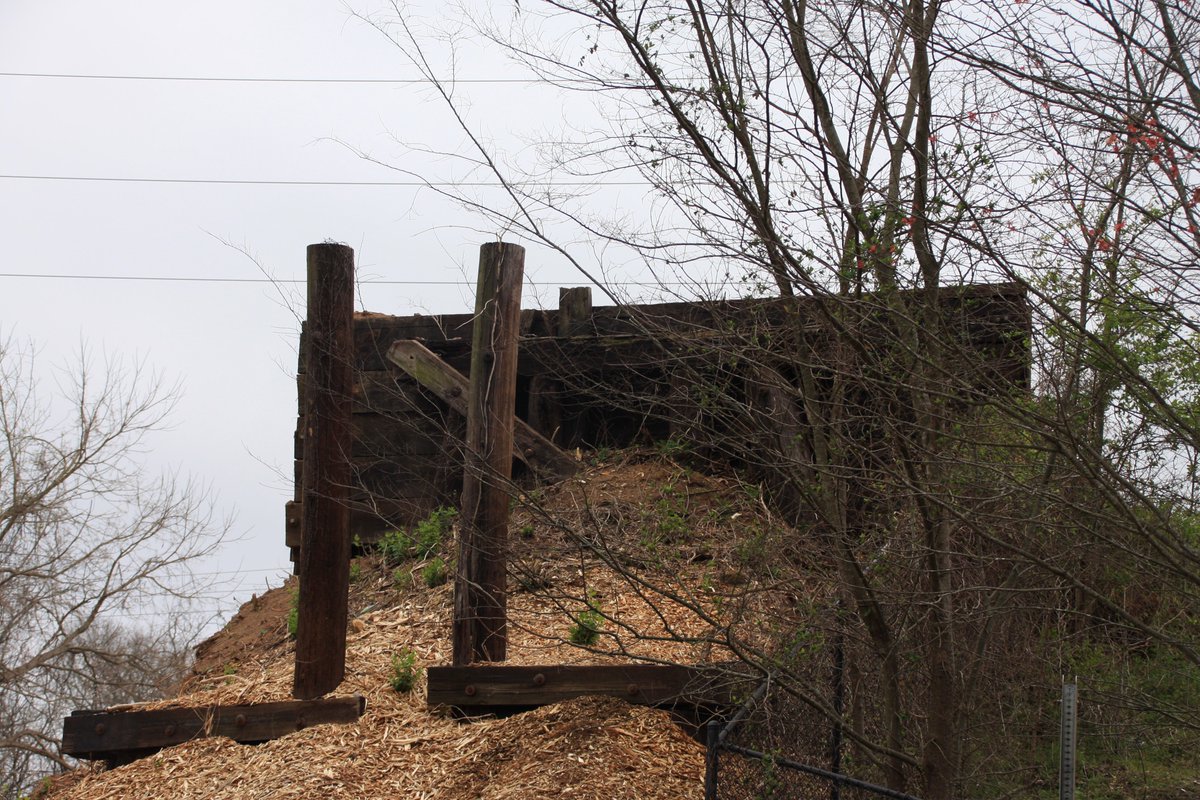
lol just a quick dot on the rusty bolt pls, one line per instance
(469, 691)
(240, 720)
(299, 723)
(632, 689)
(100, 729)
(539, 679)
(170, 730)
(455, 391)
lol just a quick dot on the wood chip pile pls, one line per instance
(590, 747)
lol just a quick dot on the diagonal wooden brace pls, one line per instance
(434, 374)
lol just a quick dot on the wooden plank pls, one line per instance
(385, 436)
(531, 447)
(483, 686)
(324, 565)
(110, 734)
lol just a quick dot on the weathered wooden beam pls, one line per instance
(533, 449)
(486, 686)
(120, 736)
(575, 310)
(479, 629)
(324, 565)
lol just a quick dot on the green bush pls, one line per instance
(586, 629)
(426, 539)
(405, 671)
(432, 530)
(396, 547)
(434, 573)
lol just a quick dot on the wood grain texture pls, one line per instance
(533, 449)
(479, 628)
(111, 735)
(324, 565)
(482, 686)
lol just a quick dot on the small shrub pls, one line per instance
(586, 629)
(396, 547)
(434, 573)
(405, 671)
(525, 532)
(401, 578)
(426, 539)
(672, 448)
(432, 530)
(355, 571)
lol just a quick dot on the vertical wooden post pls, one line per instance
(480, 597)
(574, 309)
(324, 566)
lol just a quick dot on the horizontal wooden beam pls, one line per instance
(121, 736)
(451, 386)
(481, 686)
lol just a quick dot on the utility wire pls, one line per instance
(246, 182)
(369, 282)
(217, 79)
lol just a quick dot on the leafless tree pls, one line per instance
(91, 547)
(866, 156)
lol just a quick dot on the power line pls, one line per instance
(366, 282)
(249, 182)
(219, 79)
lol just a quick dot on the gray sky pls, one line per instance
(231, 345)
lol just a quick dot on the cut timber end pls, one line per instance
(122, 736)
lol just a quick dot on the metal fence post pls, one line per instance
(1066, 750)
(713, 729)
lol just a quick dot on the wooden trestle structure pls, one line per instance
(378, 397)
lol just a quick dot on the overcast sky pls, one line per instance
(231, 345)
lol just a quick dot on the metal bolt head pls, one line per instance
(539, 679)
(470, 690)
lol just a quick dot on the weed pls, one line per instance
(670, 523)
(752, 552)
(525, 532)
(229, 669)
(426, 539)
(432, 530)
(396, 547)
(586, 629)
(405, 671)
(672, 447)
(355, 571)
(532, 577)
(434, 573)
(401, 578)
(293, 620)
